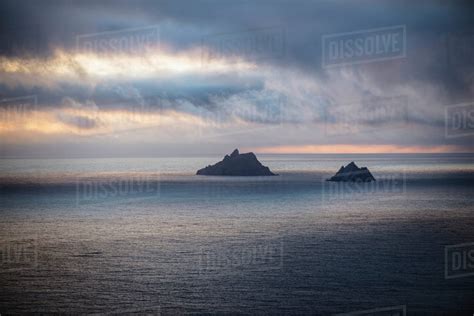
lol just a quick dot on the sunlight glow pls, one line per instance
(88, 122)
(152, 63)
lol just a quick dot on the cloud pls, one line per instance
(250, 74)
(81, 122)
(359, 149)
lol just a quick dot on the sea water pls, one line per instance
(148, 236)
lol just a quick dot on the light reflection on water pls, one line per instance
(242, 245)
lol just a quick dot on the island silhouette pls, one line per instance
(352, 173)
(237, 164)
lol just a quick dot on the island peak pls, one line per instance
(352, 173)
(237, 164)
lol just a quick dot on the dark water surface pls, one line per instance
(147, 236)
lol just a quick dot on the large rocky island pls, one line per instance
(237, 165)
(352, 173)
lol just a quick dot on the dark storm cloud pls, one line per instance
(36, 27)
(156, 94)
(438, 66)
(185, 23)
(46, 24)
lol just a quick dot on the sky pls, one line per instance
(179, 78)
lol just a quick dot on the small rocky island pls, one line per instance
(237, 165)
(352, 173)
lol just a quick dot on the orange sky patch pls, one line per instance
(359, 149)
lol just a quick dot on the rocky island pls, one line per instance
(237, 165)
(352, 173)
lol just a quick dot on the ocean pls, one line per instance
(148, 236)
